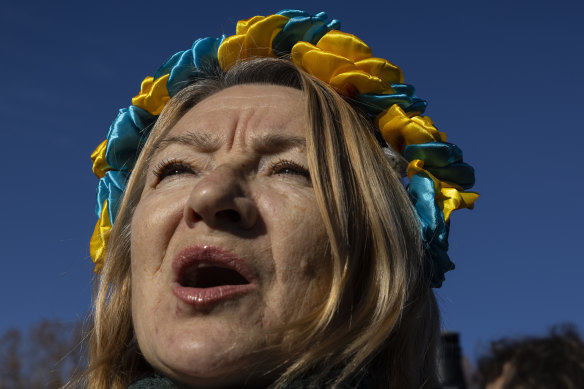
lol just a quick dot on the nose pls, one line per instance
(220, 201)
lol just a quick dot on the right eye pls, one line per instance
(170, 168)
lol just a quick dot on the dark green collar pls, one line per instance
(159, 382)
(152, 382)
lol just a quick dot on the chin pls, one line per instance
(207, 352)
(209, 370)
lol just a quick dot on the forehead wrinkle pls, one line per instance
(248, 127)
(242, 122)
(201, 141)
(276, 142)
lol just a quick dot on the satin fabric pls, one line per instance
(187, 66)
(109, 194)
(444, 161)
(433, 227)
(100, 166)
(346, 63)
(253, 38)
(113, 160)
(438, 177)
(100, 236)
(437, 174)
(110, 188)
(126, 136)
(302, 27)
(153, 95)
(399, 129)
(404, 97)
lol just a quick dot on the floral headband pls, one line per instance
(437, 175)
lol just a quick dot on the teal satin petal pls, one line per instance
(461, 174)
(433, 228)
(406, 89)
(334, 25)
(183, 72)
(301, 27)
(168, 65)
(376, 104)
(126, 136)
(443, 160)
(110, 188)
(438, 154)
(416, 105)
(317, 31)
(192, 64)
(404, 96)
(205, 52)
(421, 191)
(293, 13)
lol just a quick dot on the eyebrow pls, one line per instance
(270, 143)
(266, 143)
(273, 143)
(203, 142)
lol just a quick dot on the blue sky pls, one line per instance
(503, 80)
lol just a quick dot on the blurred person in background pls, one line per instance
(555, 361)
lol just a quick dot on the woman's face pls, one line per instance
(227, 239)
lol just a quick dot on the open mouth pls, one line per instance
(210, 276)
(205, 276)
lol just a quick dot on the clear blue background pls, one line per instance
(503, 79)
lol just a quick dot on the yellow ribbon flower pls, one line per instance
(153, 95)
(449, 197)
(99, 239)
(400, 130)
(347, 64)
(100, 166)
(253, 38)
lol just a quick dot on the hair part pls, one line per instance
(379, 323)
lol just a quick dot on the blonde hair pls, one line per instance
(379, 323)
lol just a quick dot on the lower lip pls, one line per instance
(207, 297)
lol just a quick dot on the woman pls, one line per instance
(264, 238)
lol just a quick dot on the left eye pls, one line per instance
(171, 168)
(289, 167)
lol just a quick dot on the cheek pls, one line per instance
(153, 225)
(151, 230)
(300, 251)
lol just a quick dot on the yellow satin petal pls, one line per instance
(259, 36)
(382, 69)
(454, 199)
(244, 25)
(417, 166)
(325, 66)
(346, 45)
(253, 39)
(358, 82)
(230, 50)
(399, 130)
(100, 166)
(153, 95)
(449, 197)
(299, 50)
(345, 62)
(98, 242)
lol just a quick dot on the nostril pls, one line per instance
(229, 214)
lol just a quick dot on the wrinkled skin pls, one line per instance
(232, 175)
